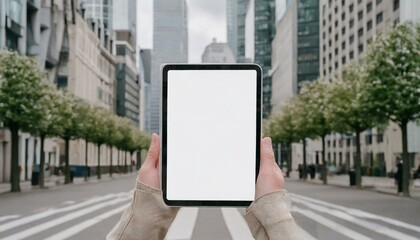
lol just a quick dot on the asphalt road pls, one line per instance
(89, 211)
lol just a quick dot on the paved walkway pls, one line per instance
(58, 181)
(378, 184)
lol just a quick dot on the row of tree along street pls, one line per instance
(384, 87)
(29, 105)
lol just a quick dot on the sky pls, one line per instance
(206, 20)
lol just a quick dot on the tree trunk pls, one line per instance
(304, 159)
(358, 161)
(110, 165)
(86, 160)
(138, 159)
(131, 161)
(289, 159)
(125, 162)
(118, 160)
(99, 161)
(42, 163)
(15, 178)
(406, 161)
(324, 163)
(67, 178)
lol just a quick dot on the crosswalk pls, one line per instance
(316, 219)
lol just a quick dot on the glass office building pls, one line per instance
(307, 41)
(264, 31)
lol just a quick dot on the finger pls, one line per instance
(267, 155)
(152, 158)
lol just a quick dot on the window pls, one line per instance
(379, 18)
(336, 37)
(325, 72)
(343, 60)
(336, 51)
(351, 7)
(369, 7)
(329, 56)
(323, 61)
(336, 23)
(329, 43)
(360, 32)
(369, 25)
(323, 35)
(351, 39)
(329, 30)
(329, 17)
(380, 137)
(343, 16)
(329, 70)
(351, 23)
(343, 30)
(348, 142)
(336, 65)
(368, 139)
(378, 2)
(359, 1)
(360, 48)
(329, 143)
(323, 22)
(324, 47)
(343, 45)
(351, 55)
(360, 15)
(396, 4)
(336, 9)
(397, 21)
(343, 2)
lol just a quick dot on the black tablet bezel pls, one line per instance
(165, 70)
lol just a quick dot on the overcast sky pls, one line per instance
(206, 20)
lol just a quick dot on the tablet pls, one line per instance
(210, 133)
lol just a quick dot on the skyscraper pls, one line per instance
(260, 20)
(218, 52)
(101, 10)
(170, 45)
(232, 25)
(242, 7)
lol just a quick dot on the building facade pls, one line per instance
(347, 29)
(218, 52)
(232, 25)
(33, 28)
(101, 11)
(170, 45)
(242, 9)
(145, 69)
(259, 32)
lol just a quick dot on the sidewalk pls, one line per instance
(378, 184)
(58, 181)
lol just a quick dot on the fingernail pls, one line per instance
(267, 142)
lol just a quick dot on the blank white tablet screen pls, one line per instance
(211, 135)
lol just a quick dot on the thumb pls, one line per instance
(267, 154)
(152, 158)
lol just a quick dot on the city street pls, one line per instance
(89, 211)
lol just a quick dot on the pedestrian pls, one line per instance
(147, 216)
(300, 170)
(399, 176)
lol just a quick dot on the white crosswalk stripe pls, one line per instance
(89, 213)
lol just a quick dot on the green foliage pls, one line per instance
(21, 91)
(350, 110)
(310, 110)
(280, 126)
(70, 121)
(393, 74)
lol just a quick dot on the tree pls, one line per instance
(87, 125)
(114, 136)
(281, 129)
(71, 123)
(349, 110)
(47, 125)
(310, 118)
(393, 81)
(125, 128)
(20, 95)
(99, 119)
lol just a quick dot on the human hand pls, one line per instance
(270, 177)
(149, 171)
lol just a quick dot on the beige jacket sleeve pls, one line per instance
(147, 216)
(269, 218)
